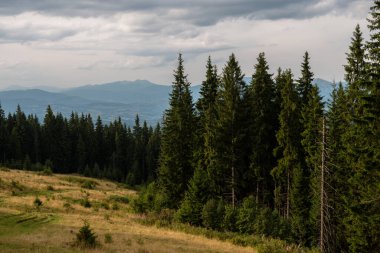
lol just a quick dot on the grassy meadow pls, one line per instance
(67, 201)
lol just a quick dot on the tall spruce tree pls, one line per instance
(177, 145)
(363, 205)
(288, 150)
(200, 185)
(263, 127)
(340, 171)
(304, 84)
(356, 66)
(311, 141)
(229, 131)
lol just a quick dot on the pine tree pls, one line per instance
(263, 127)
(200, 185)
(100, 143)
(4, 137)
(311, 141)
(206, 112)
(229, 128)
(363, 205)
(153, 152)
(356, 65)
(208, 92)
(289, 149)
(176, 157)
(304, 84)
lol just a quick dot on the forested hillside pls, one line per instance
(267, 157)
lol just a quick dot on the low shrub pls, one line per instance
(115, 206)
(85, 203)
(105, 205)
(86, 238)
(37, 202)
(88, 184)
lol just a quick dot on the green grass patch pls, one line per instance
(11, 224)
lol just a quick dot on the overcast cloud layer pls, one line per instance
(71, 42)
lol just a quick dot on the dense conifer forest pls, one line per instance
(266, 157)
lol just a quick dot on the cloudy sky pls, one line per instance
(67, 43)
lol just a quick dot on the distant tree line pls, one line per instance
(78, 145)
(268, 157)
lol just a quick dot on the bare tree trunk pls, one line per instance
(322, 207)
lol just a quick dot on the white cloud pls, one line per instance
(72, 49)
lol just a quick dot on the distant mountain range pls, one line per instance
(122, 99)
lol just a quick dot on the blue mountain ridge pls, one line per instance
(122, 99)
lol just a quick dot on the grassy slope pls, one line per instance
(52, 227)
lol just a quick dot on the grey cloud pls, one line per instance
(198, 12)
(28, 35)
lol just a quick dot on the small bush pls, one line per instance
(211, 214)
(86, 238)
(50, 188)
(150, 199)
(105, 205)
(47, 171)
(108, 238)
(246, 216)
(88, 184)
(115, 206)
(37, 202)
(85, 203)
(229, 219)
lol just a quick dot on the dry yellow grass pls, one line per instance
(62, 209)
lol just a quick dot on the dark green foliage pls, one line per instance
(304, 84)
(85, 202)
(361, 143)
(196, 196)
(356, 65)
(312, 114)
(149, 199)
(86, 238)
(229, 153)
(212, 214)
(229, 219)
(78, 146)
(289, 149)
(247, 215)
(88, 184)
(177, 144)
(37, 202)
(263, 129)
